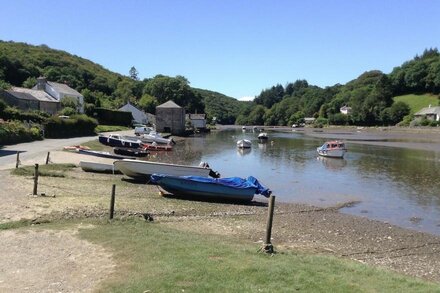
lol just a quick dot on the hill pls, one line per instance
(417, 102)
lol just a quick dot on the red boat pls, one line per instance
(156, 147)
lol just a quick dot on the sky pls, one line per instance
(235, 47)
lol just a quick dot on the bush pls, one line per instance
(16, 132)
(113, 117)
(11, 113)
(77, 125)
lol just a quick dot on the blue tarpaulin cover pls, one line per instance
(235, 182)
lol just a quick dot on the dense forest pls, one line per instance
(370, 95)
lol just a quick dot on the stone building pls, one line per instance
(29, 99)
(170, 118)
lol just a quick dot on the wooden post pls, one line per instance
(35, 180)
(112, 202)
(18, 160)
(267, 246)
(48, 158)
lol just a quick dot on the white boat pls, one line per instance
(98, 167)
(263, 136)
(143, 169)
(153, 136)
(244, 143)
(332, 149)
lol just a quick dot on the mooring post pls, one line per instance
(267, 246)
(35, 180)
(18, 160)
(112, 202)
(48, 158)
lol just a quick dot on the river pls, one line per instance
(396, 185)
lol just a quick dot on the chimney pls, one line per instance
(41, 83)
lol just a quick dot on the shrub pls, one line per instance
(13, 132)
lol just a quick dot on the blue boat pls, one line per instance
(233, 188)
(116, 140)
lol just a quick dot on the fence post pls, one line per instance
(48, 158)
(112, 202)
(17, 162)
(267, 246)
(35, 180)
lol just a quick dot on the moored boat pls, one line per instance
(263, 136)
(102, 154)
(143, 169)
(244, 143)
(153, 136)
(233, 188)
(332, 149)
(156, 147)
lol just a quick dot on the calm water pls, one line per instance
(395, 185)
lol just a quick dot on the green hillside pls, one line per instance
(417, 102)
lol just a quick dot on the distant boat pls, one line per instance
(98, 167)
(263, 137)
(332, 149)
(116, 140)
(143, 169)
(233, 188)
(244, 143)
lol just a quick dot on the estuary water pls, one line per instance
(396, 185)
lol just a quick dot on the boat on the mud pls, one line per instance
(131, 152)
(156, 147)
(103, 154)
(332, 149)
(116, 140)
(143, 169)
(153, 136)
(233, 188)
(98, 167)
(244, 143)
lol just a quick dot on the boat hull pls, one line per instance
(98, 167)
(143, 169)
(115, 142)
(244, 144)
(331, 153)
(178, 186)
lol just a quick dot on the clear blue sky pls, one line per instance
(234, 47)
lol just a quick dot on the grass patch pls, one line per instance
(157, 259)
(417, 102)
(51, 170)
(109, 128)
(15, 224)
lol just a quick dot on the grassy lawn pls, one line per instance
(153, 258)
(417, 102)
(51, 170)
(109, 128)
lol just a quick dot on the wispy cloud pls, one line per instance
(246, 98)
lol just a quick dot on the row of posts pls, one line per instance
(17, 161)
(267, 245)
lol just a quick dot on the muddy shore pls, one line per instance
(297, 227)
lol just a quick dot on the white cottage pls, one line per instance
(138, 116)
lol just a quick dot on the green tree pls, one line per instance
(148, 103)
(134, 74)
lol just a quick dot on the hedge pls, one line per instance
(13, 132)
(113, 117)
(77, 125)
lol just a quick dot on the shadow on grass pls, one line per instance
(4, 153)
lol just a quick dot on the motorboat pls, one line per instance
(143, 169)
(116, 140)
(244, 143)
(233, 188)
(153, 136)
(88, 166)
(263, 136)
(332, 149)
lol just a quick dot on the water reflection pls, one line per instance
(334, 164)
(393, 184)
(243, 151)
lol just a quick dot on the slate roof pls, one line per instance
(63, 88)
(196, 116)
(169, 104)
(30, 94)
(428, 111)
